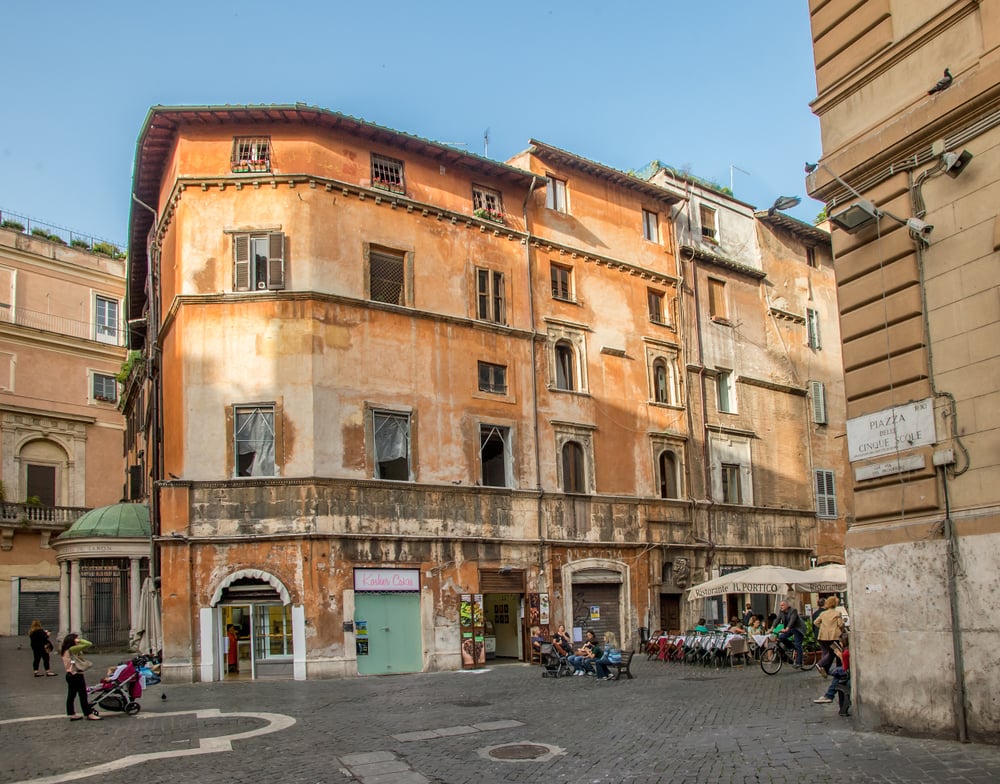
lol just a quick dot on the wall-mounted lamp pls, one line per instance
(954, 163)
(856, 216)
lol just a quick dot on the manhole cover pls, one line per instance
(520, 751)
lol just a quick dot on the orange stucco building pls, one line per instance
(399, 403)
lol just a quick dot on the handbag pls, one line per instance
(80, 664)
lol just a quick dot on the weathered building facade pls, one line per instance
(764, 392)
(399, 403)
(908, 97)
(61, 347)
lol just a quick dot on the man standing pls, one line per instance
(747, 615)
(794, 627)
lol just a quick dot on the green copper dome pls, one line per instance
(117, 521)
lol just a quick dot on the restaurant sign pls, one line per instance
(891, 430)
(703, 592)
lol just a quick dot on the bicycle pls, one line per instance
(779, 652)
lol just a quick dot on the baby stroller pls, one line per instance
(555, 665)
(119, 690)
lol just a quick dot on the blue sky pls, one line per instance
(720, 89)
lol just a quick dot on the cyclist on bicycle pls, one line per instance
(794, 629)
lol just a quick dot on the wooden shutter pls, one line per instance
(826, 494)
(276, 260)
(818, 393)
(241, 262)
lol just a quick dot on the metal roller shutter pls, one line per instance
(41, 605)
(603, 596)
(495, 582)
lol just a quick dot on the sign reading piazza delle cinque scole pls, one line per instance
(891, 430)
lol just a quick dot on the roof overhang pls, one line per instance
(547, 152)
(793, 225)
(159, 133)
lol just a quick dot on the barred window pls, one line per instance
(251, 154)
(387, 173)
(387, 277)
(487, 203)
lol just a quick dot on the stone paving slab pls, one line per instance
(672, 723)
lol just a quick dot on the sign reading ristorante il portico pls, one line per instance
(891, 430)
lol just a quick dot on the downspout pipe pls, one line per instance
(951, 540)
(534, 375)
(153, 373)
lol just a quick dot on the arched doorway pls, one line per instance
(258, 608)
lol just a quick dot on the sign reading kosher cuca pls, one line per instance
(891, 430)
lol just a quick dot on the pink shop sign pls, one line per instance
(402, 580)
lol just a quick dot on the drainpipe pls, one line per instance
(152, 373)
(534, 377)
(951, 540)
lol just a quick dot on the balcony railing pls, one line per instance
(33, 513)
(47, 322)
(63, 236)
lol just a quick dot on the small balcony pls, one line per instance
(48, 521)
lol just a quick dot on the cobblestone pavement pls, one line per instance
(673, 723)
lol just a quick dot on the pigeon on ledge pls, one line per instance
(943, 83)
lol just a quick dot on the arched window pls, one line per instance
(661, 386)
(572, 465)
(565, 361)
(668, 474)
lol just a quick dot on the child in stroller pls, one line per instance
(555, 664)
(120, 689)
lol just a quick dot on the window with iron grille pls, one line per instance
(731, 491)
(487, 203)
(253, 432)
(656, 302)
(494, 455)
(555, 194)
(251, 154)
(259, 261)
(387, 276)
(490, 305)
(105, 388)
(492, 378)
(562, 282)
(650, 226)
(826, 494)
(391, 444)
(106, 318)
(387, 173)
(812, 328)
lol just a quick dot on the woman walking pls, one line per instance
(40, 647)
(76, 684)
(831, 627)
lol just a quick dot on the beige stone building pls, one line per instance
(908, 97)
(61, 347)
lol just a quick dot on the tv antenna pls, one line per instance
(733, 167)
(486, 143)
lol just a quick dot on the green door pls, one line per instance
(393, 643)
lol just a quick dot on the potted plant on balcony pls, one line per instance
(488, 214)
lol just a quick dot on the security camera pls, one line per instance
(920, 230)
